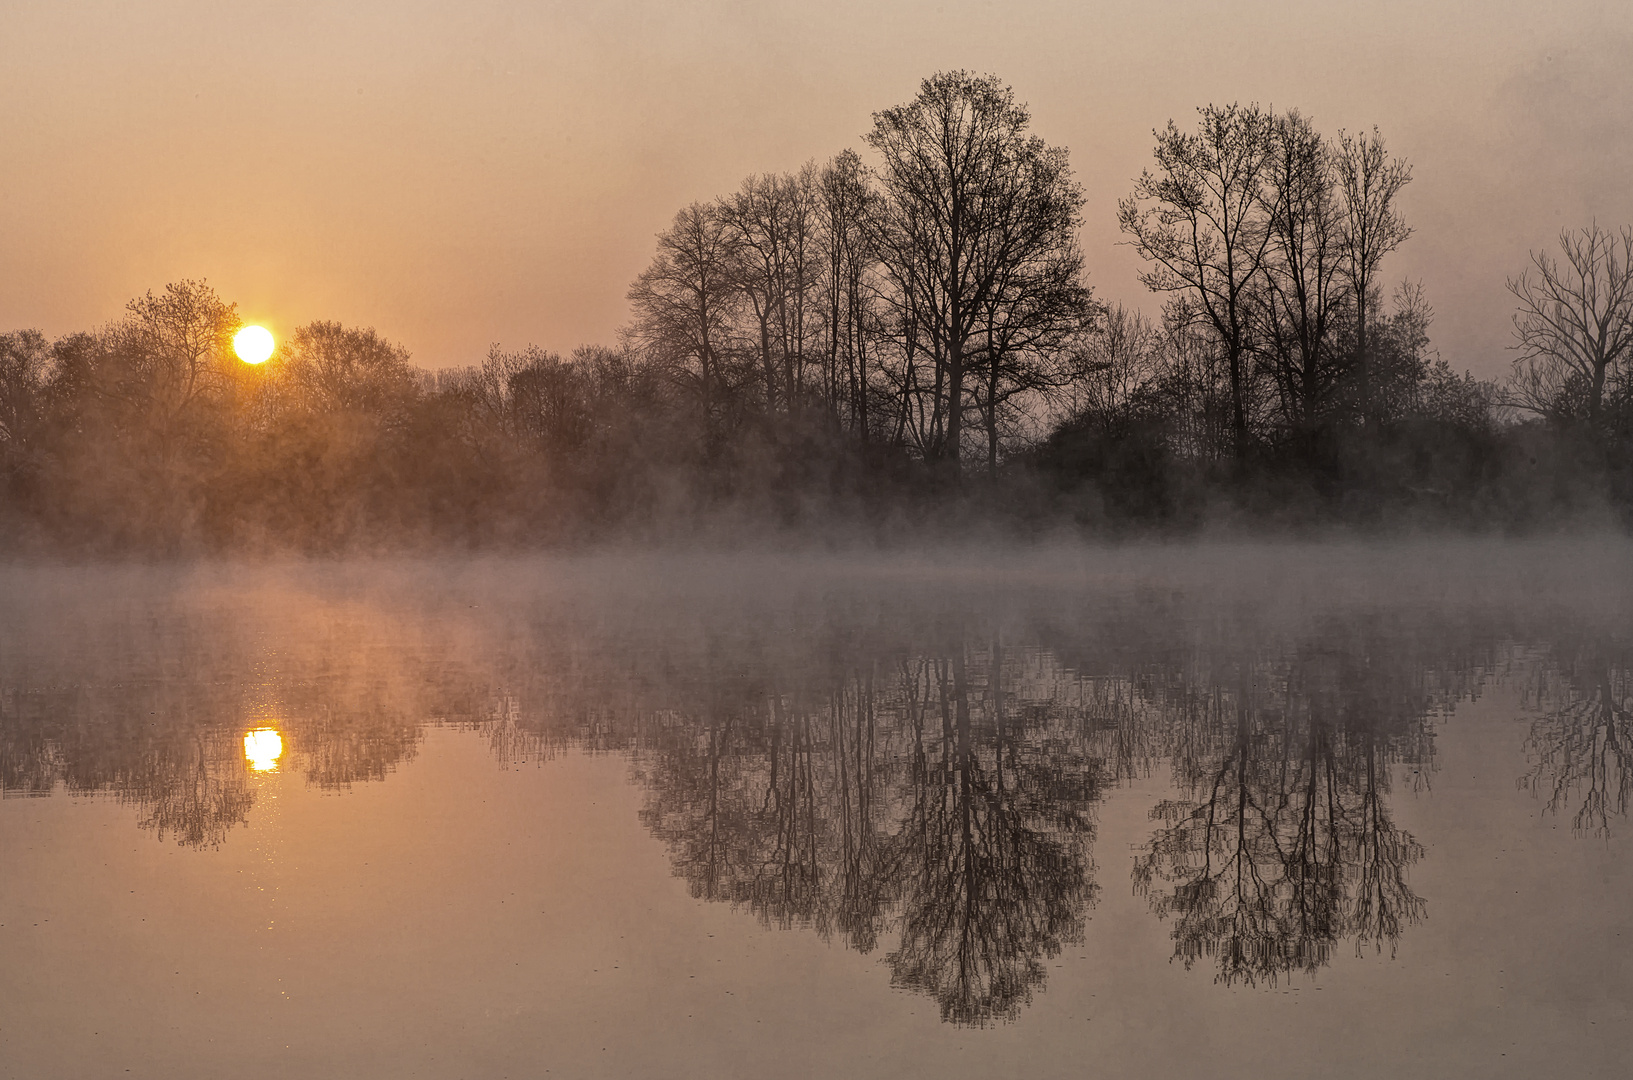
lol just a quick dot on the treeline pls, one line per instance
(1278, 383)
(896, 343)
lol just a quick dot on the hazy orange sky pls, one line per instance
(456, 174)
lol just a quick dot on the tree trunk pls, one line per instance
(1238, 412)
(992, 422)
(1363, 362)
(955, 412)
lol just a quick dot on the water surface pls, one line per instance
(1227, 810)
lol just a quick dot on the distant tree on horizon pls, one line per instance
(1574, 325)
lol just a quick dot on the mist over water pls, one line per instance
(963, 806)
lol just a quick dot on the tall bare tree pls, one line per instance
(349, 369)
(845, 203)
(1025, 359)
(1304, 295)
(1574, 326)
(978, 234)
(685, 302)
(772, 222)
(1371, 181)
(1203, 221)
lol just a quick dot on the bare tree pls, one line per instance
(171, 351)
(1203, 222)
(1303, 296)
(1574, 326)
(24, 363)
(1371, 180)
(772, 221)
(349, 369)
(978, 235)
(685, 302)
(1024, 356)
(845, 203)
(1110, 366)
(1193, 386)
(490, 386)
(550, 402)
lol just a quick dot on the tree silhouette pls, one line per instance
(1574, 326)
(1371, 181)
(685, 302)
(978, 235)
(772, 222)
(1202, 221)
(1303, 296)
(167, 356)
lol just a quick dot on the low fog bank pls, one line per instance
(141, 679)
(346, 496)
(359, 487)
(645, 585)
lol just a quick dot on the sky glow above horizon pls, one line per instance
(461, 174)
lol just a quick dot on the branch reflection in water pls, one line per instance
(865, 795)
(1581, 746)
(915, 776)
(1282, 844)
(168, 712)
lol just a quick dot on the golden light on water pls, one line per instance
(253, 344)
(262, 748)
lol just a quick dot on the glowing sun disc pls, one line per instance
(253, 344)
(262, 749)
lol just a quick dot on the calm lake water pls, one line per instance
(1255, 811)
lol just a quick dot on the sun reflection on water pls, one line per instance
(262, 748)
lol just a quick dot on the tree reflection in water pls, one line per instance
(921, 784)
(883, 795)
(158, 721)
(993, 847)
(1282, 845)
(1581, 746)
(184, 774)
(1285, 847)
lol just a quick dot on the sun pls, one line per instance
(262, 749)
(253, 344)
